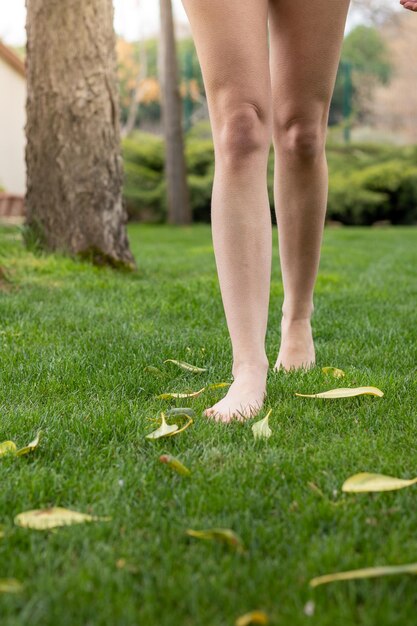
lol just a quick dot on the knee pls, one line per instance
(243, 135)
(300, 138)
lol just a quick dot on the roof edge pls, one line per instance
(12, 59)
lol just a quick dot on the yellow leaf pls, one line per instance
(218, 385)
(177, 432)
(10, 585)
(344, 393)
(369, 572)
(7, 447)
(175, 464)
(223, 535)
(254, 617)
(334, 371)
(31, 446)
(164, 430)
(366, 482)
(261, 429)
(186, 366)
(45, 519)
(193, 394)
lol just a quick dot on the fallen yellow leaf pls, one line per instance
(7, 447)
(367, 482)
(223, 535)
(168, 430)
(369, 572)
(186, 366)
(192, 394)
(254, 617)
(10, 585)
(31, 446)
(333, 371)
(45, 519)
(261, 429)
(175, 464)
(164, 430)
(344, 393)
(218, 385)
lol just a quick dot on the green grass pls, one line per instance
(74, 342)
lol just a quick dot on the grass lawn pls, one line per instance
(74, 342)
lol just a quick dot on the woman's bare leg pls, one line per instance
(232, 46)
(306, 40)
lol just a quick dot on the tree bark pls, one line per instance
(74, 164)
(179, 209)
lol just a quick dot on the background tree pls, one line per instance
(75, 172)
(179, 208)
(366, 53)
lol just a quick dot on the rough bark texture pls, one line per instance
(74, 165)
(179, 209)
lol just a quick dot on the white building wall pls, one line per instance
(12, 133)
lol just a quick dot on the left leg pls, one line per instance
(305, 45)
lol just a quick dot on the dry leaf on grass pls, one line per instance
(254, 617)
(168, 430)
(261, 429)
(31, 446)
(175, 464)
(187, 366)
(344, 393)
(10, 585)
(45, 519)
(369, 572)
(222, 535)
(191, 394)
(333, 371)
(164, 430)
(7, 447)
(366, 482)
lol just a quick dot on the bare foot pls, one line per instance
(297, 346)
(245, 396)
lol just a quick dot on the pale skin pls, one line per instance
(257, 95)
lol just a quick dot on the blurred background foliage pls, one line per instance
(372, 151)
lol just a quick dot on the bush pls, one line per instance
(368, 182)
(374, 186)
(144, 184)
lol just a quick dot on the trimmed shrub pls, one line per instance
(368, 182)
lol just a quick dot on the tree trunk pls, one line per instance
(74, 165)
(179, 209)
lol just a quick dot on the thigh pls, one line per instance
(231, 39)
(305, 46)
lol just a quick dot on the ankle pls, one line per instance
(295, 321)
(292, 315)
(245, 366)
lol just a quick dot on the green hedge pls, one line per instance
(368, 182)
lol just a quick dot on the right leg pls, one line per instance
(232, 45)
